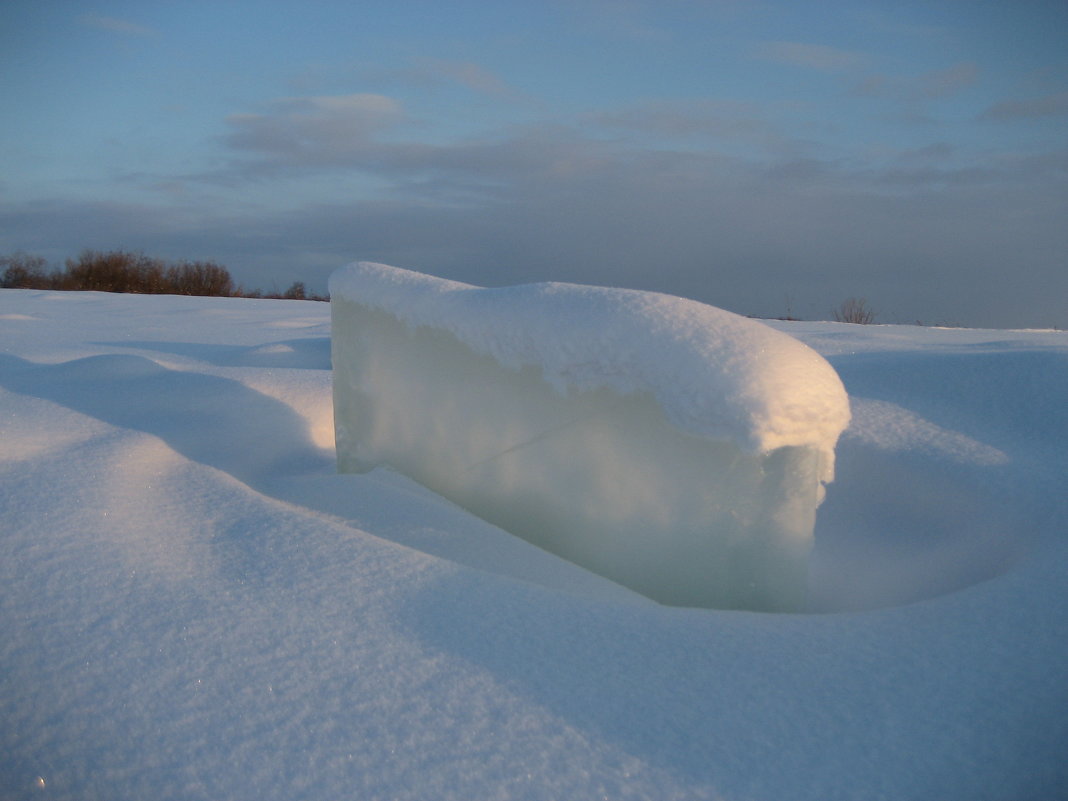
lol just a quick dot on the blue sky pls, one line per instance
(766, 157)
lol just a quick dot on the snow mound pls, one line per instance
(715, 374)
(675, 448)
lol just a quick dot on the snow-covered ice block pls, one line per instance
(673, 447)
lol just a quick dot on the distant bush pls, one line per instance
(121, 271)
(117, 271)
(296, 291)
(22, 271)
(200, 278)
(854, 310)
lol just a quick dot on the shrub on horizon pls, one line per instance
(854, 310)
(23, 271)
(115, 271)
(200, 278)
(118, 271)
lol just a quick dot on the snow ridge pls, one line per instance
(715, 374)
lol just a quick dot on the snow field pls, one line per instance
(194, 605)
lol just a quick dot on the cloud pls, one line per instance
(911, 96)
(556, 202)
(362, 133)
(730, 125)
(684, 118)
(809, 56)
(928, 86)
(549, 204)
(871, 86)
(622, 19)
(474, 77)
(928, 154)
(318, 130)
(1046, 106)
(115, 25)
(372, 134)
(943, 83)
(434, 73)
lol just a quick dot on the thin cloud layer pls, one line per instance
(372, 134)
(1029, 108)
(749, 155)
(938, 84)
(767, 238)
(809, 56)
(306, 131)
(714, 122)
(116, 25)
(474, 76)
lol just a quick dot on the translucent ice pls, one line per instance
(673, 447)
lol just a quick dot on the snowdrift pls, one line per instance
(670, 446)
(194, 604)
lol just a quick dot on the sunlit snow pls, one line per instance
(668, 445)
(195, 605)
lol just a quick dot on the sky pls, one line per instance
(771, 158)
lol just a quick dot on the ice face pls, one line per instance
(593, 470)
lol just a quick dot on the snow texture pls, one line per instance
(714, 373)
(675, 448)
(195, 605)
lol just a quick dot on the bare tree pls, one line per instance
(23, 271)
(854, 310)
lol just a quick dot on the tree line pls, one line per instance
(123, 271)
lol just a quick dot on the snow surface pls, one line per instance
(715, 374)
(193, 605)
(670, 446)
